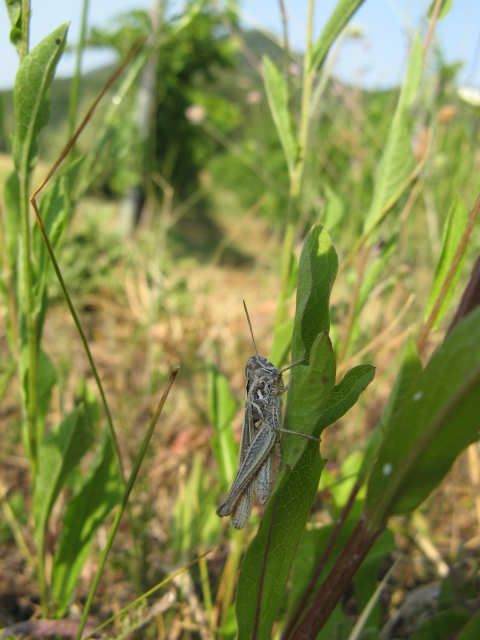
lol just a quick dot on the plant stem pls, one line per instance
(347, 564)
(121, 509)
(296, 177)
(25, 36)
(323, 561)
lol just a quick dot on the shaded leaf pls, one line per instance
(438, 419)
(86, 511)
(471, 631)
(61, 450)
(410, 367)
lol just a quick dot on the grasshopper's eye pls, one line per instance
(250, 369)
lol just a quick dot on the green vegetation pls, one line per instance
(259, 173)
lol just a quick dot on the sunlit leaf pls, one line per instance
(452, 233)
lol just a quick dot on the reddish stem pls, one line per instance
(347, 564)
(322, 562)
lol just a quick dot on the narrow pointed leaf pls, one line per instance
(222, 408)
(277, 95)
(397, 161)
(342, 13)
(452, 233)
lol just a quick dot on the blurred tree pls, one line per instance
(175, 95)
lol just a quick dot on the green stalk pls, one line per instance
(27, 291)
(296, 177)
(123, 504)
(24, 42)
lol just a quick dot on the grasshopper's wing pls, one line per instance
(264, 479)
(243, 507)
(255, 456)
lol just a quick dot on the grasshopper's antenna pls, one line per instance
(250, 325)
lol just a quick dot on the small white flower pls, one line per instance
(196, 114)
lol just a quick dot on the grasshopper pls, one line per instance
(260, 433)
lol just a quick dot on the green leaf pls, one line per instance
(55, 212)
(346, 393)
(47, 378)
(282, 341)
(14, 9)
(222, 408)
(277, 95)
(366, 579)
(61, 450)
(267, 563)
(453, 230)
(85, 512)
(310, 551)
(442, 625)
(31, 97)
(410, 367)
(471, 631)
(437, 421)
(342, 13)
(334, 209)
(316, 274)
(397, 160)
(11, 195)
(444, 9)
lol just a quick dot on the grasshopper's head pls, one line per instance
(258, 367)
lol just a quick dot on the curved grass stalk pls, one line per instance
(124, 502)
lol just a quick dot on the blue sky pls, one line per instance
(378, 59)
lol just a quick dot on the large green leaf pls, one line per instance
(452, 233)
(31, 97)
(342, 13)
(410, 367)
(277, 95)
(438, 420)
(100, 492)
(60, 451)
(397, 160)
